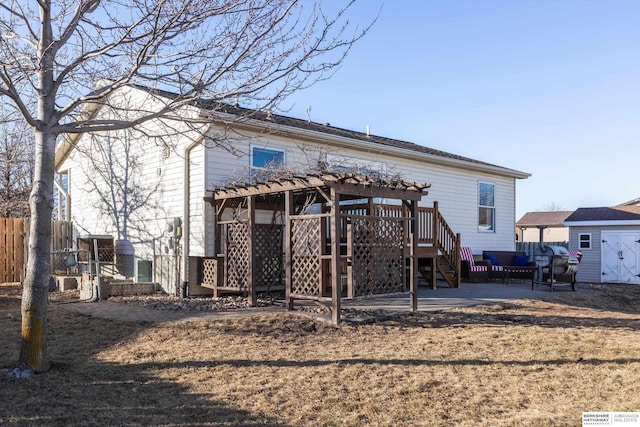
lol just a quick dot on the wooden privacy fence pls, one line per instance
(14, 234)
(12, 249)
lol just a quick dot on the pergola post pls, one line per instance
(217, 247)
(457, 258)
(413, 252)
(288, 209)
(251, 279)
(336, 293)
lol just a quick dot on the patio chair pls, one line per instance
(471, 270)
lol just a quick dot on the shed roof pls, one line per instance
(548, 218)
(613, 214)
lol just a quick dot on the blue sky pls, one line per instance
(548, 87)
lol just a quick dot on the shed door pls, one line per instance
(621, 257)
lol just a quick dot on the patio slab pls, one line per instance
(444, 297)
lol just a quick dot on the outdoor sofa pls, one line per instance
(507, 265)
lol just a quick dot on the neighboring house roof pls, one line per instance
(549, 218)
(634, 202)
(289, 126)
(616, 215)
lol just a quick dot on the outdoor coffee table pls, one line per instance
(511, 269)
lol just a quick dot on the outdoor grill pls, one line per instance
(554, 261)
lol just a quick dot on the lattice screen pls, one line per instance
(306, 251)
(209, 272)
(237, 245)
(377, 246)
(269, 257)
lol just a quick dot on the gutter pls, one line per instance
(602, 223)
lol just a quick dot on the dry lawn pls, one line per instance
(525, 363)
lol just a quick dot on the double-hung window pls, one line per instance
(486, 206)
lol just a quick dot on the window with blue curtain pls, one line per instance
(264, 158)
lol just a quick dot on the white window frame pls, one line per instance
(589, 241)
(491, 207)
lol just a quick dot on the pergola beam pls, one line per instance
(346, 184)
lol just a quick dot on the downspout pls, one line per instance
(186, 210)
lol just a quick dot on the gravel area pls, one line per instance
(165, 302)
(207, 304)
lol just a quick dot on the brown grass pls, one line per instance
(524, 363)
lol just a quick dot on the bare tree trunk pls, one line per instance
(36, 286)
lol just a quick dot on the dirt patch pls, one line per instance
(526, 363)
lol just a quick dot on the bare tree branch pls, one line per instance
(62, 60)
(16, 166)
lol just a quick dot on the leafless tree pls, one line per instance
(60, 60)
(16, 167)
(552, 207)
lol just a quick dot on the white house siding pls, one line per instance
(148, 225)
(163, 171)
(455, 189)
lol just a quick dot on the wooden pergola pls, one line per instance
(336, 243)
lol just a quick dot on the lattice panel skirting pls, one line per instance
(377, 246)
(237, 248)
(306, 252)
(209, 272)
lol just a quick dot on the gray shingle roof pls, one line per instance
(616, 213)
(346, 133)
(247, 114)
